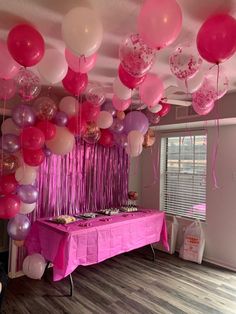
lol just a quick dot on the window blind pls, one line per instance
(183, 176)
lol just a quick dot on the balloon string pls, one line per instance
(216, 145)
(3, 119)
(155, 165)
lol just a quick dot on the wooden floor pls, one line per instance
(129, 283)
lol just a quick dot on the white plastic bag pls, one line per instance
(172, 232)
(194, 243)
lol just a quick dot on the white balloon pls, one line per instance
(104, 120)
(26, 208)
(120, 90)
(34, 266)
(82, 31)
(192, 84)
(69, 105)
(62, 143)
(9, 127)
(53, 67)
(155, 109)
(26, 174)
(135, 143)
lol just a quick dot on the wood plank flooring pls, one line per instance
(129, 283)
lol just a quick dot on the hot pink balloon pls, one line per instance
(159, 22)
(164, 110)
(80, 64)
(75, 83)
(151, 90)
(25, 44)
(8, 66)
(120, 104)
(216, 38)
(129, 80)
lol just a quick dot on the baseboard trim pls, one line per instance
(221, 264)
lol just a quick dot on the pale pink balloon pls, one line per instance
(8, 66)
(159, 22)
(80, 64)
(151, 90)
(120, 104)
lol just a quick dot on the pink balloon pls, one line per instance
(159, 22)
(216, 38)
(8, 66)
(129, 80)
(74, 82)
(151, 90)
(120, 104)
(25, 44)
(80, 64)
(7, 89)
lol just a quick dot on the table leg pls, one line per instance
(71, 285)
(46, 268)
(153, 252)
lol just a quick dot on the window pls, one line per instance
(183, 175)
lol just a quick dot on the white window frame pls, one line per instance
(163, 136)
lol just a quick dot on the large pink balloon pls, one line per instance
(8, 66)
(75, 83)
(159, 22)
(80, 64)
(216, 38)
(151, 90)
(25, 44)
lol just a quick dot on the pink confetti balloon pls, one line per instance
(203, 99)
(220, 84)
(29, 85)
(95, 94)
(135, 56)
(184, 64)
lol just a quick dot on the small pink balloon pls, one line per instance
(120, 104)
(151, 90)
(8, 66)
(80, 64)
(203, 108)
(7, 89)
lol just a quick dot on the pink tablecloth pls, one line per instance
(90, 242)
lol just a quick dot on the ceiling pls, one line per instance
(119, 19)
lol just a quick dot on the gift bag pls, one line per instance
(172, 231)
(194, 243)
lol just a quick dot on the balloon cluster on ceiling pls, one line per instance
(40, 126)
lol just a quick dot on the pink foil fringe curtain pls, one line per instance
(90, 178)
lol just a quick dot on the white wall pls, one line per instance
(220, 226)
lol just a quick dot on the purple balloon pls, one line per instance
(60, 118)
(23, 116)
(47, 151)
(136, 120)
(10, 143)
(117, 126)
(27, 193)
(18, 227)
(121, 139)
(108, 106)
